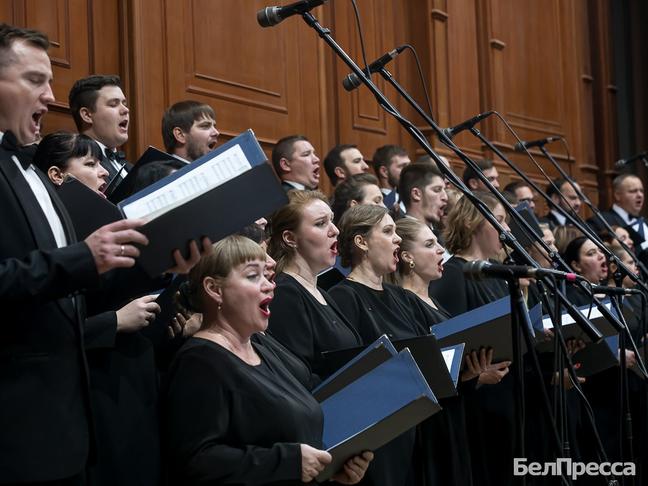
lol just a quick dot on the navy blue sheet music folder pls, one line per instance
(374, 409)
(488, 326)
(351, 366)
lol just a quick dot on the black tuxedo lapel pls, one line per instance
(38, 224)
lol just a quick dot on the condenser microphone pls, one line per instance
(467, 125)
(271, 16)
(352, 81)
(520, 146)
(479, 269)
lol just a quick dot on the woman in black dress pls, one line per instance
(444, 449)
(602, 389)
(369, 245)
(234, 414)
(304, 318)
(489, 411)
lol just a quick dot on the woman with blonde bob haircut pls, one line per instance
(304, 318)
(252, 422)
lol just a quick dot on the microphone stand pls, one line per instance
(595, 210)
(584, 228)
(562, 445)
(324, 33)
(625, 425)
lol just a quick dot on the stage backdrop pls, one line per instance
(546, 65)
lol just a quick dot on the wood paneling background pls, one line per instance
(546, 65)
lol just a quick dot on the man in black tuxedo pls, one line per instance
(44, 406)
(628, 192)
(98, 106)
(295, 162)
(571, 202)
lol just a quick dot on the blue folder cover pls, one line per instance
(472, 318)
(375, 409)
(597, 357)
(373, 355)
(486, 326)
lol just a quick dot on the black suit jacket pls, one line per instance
(44, 412)
(549, 219)
(614, 219)
(112, 172)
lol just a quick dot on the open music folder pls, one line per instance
(571, 330)
(214, 196)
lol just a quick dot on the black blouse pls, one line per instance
(227, 422)
(307, 327)
(393, 311)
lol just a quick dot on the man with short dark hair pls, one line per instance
(189, 129)
(295, 162)
(487, 168)
(422, 191)
(44, 398)
(343, 161)
(98, 106)
(388, 162)
(522, 193)
(569, 202)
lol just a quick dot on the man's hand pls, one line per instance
(113, 245)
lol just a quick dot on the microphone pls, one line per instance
(479, 269)
(271, 16)
(520, 146)
(468, 124)
(352, 81)
(623, 162)
(602, 289)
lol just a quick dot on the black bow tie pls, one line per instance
(115, 155)
(23, 154)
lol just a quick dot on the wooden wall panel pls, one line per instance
(359, 118)
(544, 64)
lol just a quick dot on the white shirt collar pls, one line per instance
(296, 185)
(559, 217)
(623, 213)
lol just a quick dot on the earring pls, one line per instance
(412, 264)
(220, 306)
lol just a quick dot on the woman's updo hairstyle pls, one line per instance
(228, 253)
(572, 250)
(288, 218)
(357, 220)
(408, 229)
(464, 220)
